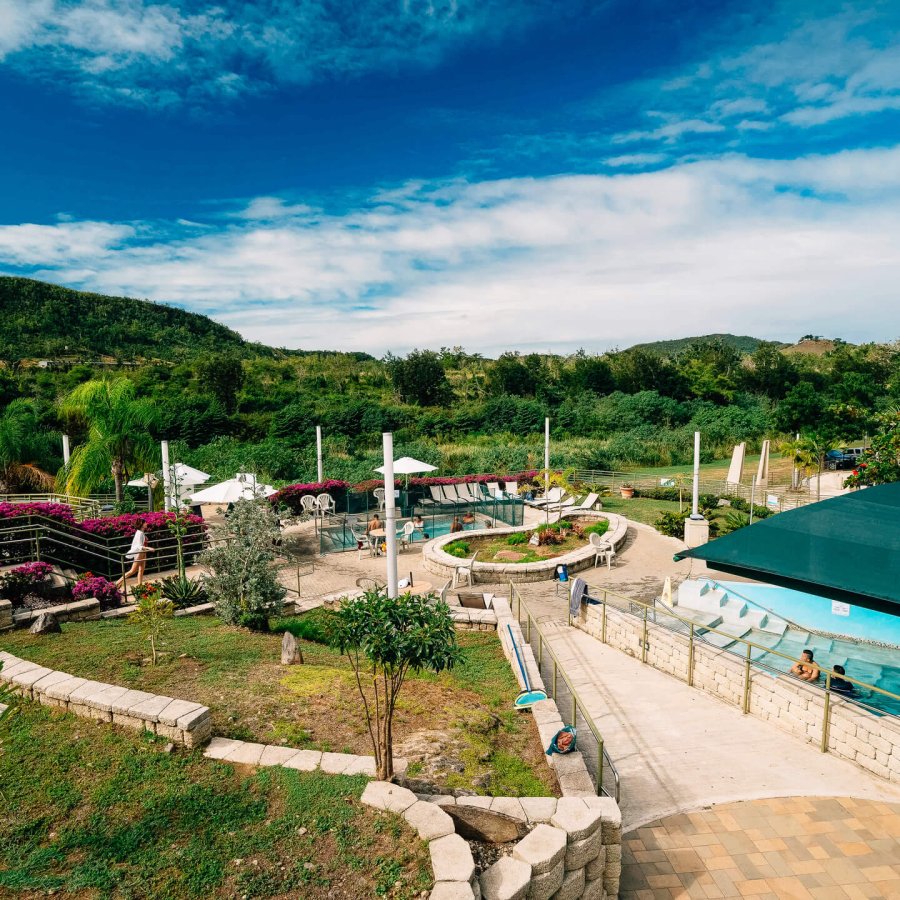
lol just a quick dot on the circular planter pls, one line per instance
(443, 564)
(627, 493)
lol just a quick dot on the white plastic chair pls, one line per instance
(406, 536)
(465, 570)
(379, 496)
(325, 504)
(308, 504)
(602, 548)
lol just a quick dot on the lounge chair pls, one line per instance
(465, 570)
(512, 488)
(437, 495)
(449, 495)
(465, 494)
(493, 487)
(589, 502)
(566, 503)
(554, 496)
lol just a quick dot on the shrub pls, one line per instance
(671, 524)
(243, 581)
(23, 582)
(459, 549)
(98, 588)
(733, 521)
(315, 626)
(291, 495)
(151, 614)
(515, 539)
(661, 493)
(183, 591)
(600, 527)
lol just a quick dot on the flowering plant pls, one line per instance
(290, 496)
(58, 511)
(95, 587)
(25, 581)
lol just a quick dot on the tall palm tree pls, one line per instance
(22, 446)
(118, 438)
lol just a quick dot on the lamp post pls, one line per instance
(319, 467)
(66, 451)
(547, 464)
(390, 515)
(696, 528)
(167, 476)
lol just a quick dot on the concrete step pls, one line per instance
(726, 634)
(733, 610)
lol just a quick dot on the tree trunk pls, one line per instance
(385, 759)
(118, 477)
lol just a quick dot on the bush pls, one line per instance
(733, 521)
(459, 549)
(662, 493)
(600, 527)
(91, 586)
(742, 505)
(183, 592)
(243, 582)
(24, 582)
(315, 626)
(671, 524)
(515, 539)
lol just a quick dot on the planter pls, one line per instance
(626, 492)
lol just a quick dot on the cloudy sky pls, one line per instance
(385, 174)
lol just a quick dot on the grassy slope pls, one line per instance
(742, 342)
(252, 697)
(90, 811)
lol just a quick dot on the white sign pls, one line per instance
(840, 609)
(534, 540)
(667, 482)
(772, 499)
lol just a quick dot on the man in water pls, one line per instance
(805, 669)
(841, 685)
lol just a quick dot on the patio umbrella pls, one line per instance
(243, 486)
(407, 466)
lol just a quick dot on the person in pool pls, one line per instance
(841, 685)
(806, 669)
(419, 525)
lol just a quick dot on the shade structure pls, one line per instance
(243, 486)
(188, 476)
(845, 548)
(406, 465)
(148, 479)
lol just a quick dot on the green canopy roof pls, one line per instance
(846, 548)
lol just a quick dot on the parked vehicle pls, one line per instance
(846, 458)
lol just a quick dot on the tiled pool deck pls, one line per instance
(826, 849)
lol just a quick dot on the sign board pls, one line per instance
(772, 499)
(667, 482)
(840, 609)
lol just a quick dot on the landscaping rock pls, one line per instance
(391, 798)
(429, 820)
(45, 623)
(575, 818)
(485, 825)
(507, 879)
(538, 809)
(580, 853)
(291, 654)
(451, 858)
(452, 890)
(543, 887)
(543, 849)
(572, 886)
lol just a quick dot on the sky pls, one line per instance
(389, 174)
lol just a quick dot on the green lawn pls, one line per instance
(237, 673)
(642, 509)
(91, 811)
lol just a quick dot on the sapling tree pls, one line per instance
(385, 640)
(151, 614)
(243, 578)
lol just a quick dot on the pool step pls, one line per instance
(726, 634)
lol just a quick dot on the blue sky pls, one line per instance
(397, 173)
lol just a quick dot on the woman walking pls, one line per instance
(137, 553)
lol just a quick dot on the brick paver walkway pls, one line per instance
(780, 849)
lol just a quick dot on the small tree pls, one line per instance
(151, 614)
(243, 580)
(384, 640)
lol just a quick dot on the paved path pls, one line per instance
(823, 849)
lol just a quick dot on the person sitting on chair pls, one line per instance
(137, 553)
(806, 669)
(374, 524)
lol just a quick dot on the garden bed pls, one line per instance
(458, 729)
(89, 811)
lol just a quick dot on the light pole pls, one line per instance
(390, 515)
(167, 476)
(320, 470)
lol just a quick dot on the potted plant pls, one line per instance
(626, 490)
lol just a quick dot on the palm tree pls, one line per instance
(118, 438)
(22, 444)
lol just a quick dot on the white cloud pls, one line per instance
(775, 248)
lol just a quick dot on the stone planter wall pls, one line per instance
(6, 615)
(76, 611)
(443, 564)
(573, 850)
(180, 721)
(870, 741)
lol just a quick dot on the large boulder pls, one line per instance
(291, 654)
(45, 623)
(477, 824)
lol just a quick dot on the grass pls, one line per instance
(90, 811)
(779, 469)
(237, 674)
(642, 509)
(488, 547)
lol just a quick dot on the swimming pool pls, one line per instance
(819, 613)
(338, 537)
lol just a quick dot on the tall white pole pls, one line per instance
(319, 468)
(66, 452)
(390, 514)
(167, 476)
(695, 503)
(752, 496)
(546, 456)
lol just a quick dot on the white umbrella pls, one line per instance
(187, 476)
(148, 479)
(243, 486)
(407, 466)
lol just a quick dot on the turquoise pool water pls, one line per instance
(337, 538)
(818, 613)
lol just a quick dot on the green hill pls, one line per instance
(741, 342)
(40, 320)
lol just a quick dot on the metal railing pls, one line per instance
(602, 760)
(651, 617)
(82, 507)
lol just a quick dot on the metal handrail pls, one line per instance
(602, 755)
(78, 504)
(647, 608)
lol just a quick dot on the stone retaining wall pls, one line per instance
(574, 849)
(870, 741)
(437, 561)
(6, 615)
(76, 611)
(178, 720)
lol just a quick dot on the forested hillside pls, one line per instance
(743, 343)
(44, 320)
(231, 406)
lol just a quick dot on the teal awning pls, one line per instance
(846, 548)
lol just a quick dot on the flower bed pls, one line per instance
(291, 495)
(557, 539)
